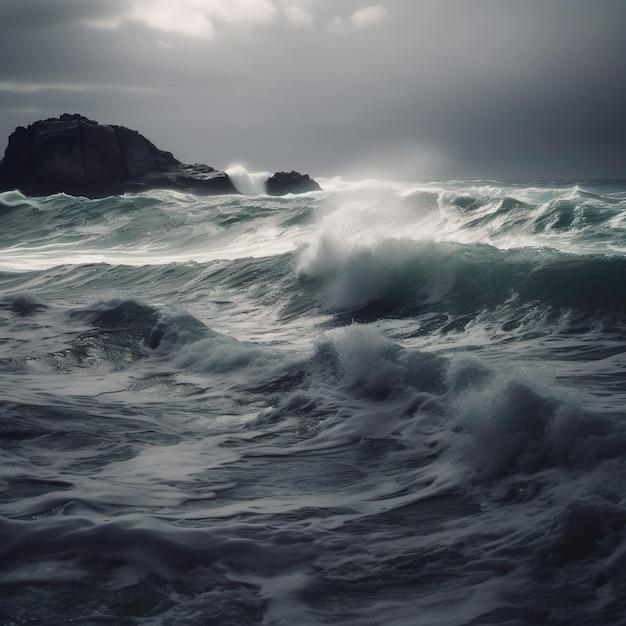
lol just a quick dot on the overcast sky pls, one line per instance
(408, 89)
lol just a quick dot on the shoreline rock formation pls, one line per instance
(282, 183)
(78, 156)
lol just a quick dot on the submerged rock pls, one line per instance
(282, 183)
(78, 156)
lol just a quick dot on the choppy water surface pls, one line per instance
(381, 403)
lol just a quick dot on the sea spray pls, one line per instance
(246, 182)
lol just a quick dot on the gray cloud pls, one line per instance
(488, 88)
(35, 14)
(363, 17)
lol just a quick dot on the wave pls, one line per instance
(377, 401)
(161, 468)
(161, 227)
(439, 287)
(494, 428)
(246, 182)
(404, 278)
(494, 422)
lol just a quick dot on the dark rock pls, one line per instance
(78, 156)
(282, 183)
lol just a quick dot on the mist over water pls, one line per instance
(381, 403)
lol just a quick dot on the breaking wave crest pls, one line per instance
(402, 277)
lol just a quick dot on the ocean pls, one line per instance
(382, 403)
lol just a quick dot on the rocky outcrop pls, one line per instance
(78, 156)
(282, 183)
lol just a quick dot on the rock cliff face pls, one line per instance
(78, 156)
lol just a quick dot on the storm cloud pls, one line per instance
(404, 88)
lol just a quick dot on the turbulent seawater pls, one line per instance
(379, 404)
